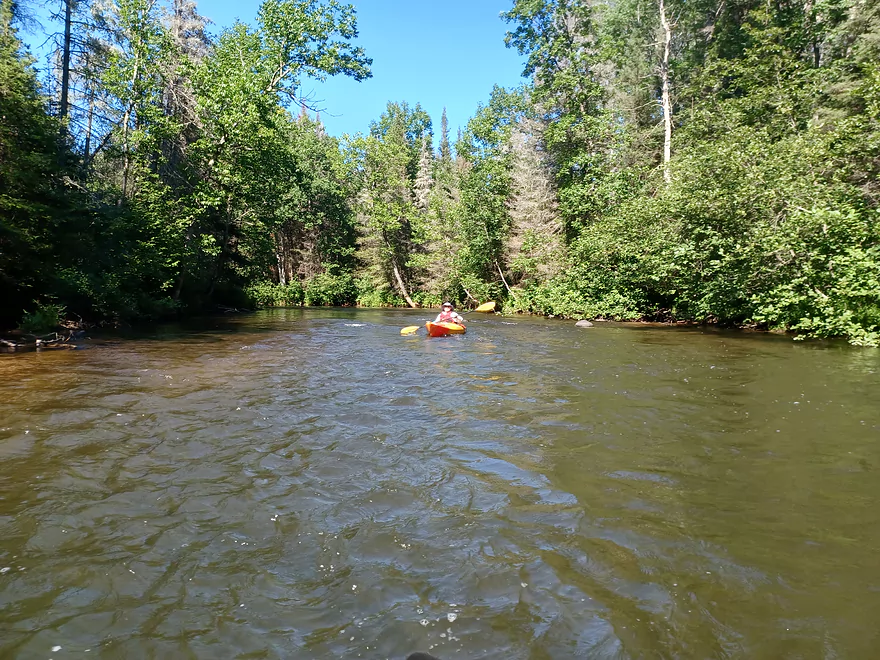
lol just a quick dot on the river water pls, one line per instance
(310, 484)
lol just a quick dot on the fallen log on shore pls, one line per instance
(33, 342)
(11, 346)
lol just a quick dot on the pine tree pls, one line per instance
(392, 226)
(424, 182)
(533, 248)
(443, 243)
(33, 202)
(445, 149)
(190, 44)
(564, 63)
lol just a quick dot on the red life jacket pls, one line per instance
(447, 317)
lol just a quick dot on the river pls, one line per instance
(310, 484)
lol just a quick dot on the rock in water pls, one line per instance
(584, 324)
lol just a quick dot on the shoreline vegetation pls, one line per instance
(71, 336)
(68, 334)
(698, 163)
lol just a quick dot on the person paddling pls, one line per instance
(448, 315)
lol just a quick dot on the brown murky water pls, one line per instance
(310, 484)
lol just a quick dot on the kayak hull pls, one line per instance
(443, 329)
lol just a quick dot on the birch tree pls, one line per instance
(665, 97)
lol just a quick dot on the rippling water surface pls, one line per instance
(310, 484)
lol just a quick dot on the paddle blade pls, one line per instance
(410, 329)
(486, 307)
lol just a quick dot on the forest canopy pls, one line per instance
(713, 161)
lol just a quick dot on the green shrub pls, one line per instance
(618, 268)
(828, 283)
(330, 290)
(158, 308)
(425, 299)
(269, 294)
(44, 318)
(749, 231)
(371, 295)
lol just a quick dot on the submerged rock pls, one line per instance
(584, 324)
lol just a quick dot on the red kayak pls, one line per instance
(443, 329)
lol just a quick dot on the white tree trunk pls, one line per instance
(279, 257)
(402, 287)
(665, 99)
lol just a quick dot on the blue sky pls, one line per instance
(438, 54)
(435, 53)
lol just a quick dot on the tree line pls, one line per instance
(713, 161)
(165, 171)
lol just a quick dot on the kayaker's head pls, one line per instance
(447, 307)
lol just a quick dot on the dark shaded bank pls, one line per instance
(72, 334)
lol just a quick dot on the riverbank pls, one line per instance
(43, 331)
(73, 335)
(12, 343)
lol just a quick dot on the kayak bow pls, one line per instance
(443, 329)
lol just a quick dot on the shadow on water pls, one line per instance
(308, 483)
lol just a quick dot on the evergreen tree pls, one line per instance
(482, 216)
(439, 257)
(392, 227)
(559, 38)
(31, 190)
(534, 248)
(445, 148)
(424, 181)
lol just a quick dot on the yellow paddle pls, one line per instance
(485, 307)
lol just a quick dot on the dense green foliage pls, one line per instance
(716, 161)
(179, 176)
(768, 215)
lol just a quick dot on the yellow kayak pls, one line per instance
(443, 329)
